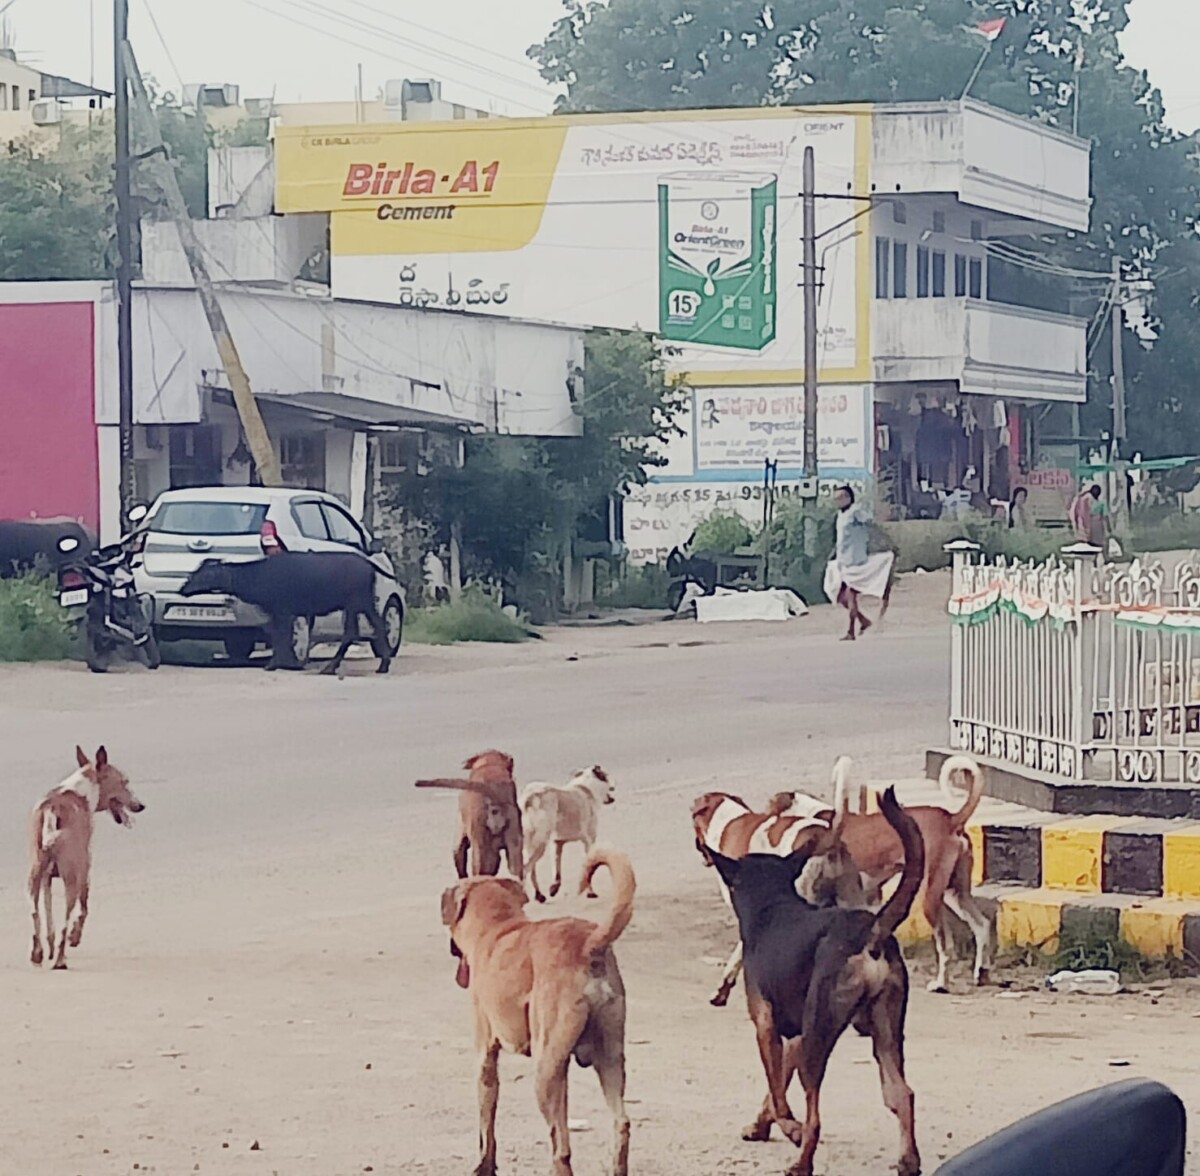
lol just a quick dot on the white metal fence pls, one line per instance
(1077, 669)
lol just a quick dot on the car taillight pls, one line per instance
(269, 537)
(71, 580)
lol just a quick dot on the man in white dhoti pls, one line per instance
(853, 572)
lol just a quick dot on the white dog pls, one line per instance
(549, 813)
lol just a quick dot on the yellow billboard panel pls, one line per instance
(684, 223)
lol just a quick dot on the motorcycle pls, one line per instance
(684, 567)
(116, 617)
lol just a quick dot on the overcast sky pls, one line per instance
(311, 49)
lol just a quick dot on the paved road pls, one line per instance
(265, 962)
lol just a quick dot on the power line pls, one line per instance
(166, 48)
(320, 10)
(374, 50)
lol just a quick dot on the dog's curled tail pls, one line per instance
(842, 786)
(974, 774)
(896, 909)
(624, 885)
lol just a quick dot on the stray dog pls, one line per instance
(561, 815)
(877, 852)
(725, 824)
(489, 817)
(61, 847)
(548, 990)
(810, 973)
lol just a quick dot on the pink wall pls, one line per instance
(48, 458)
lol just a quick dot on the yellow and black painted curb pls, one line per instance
(1040, 918)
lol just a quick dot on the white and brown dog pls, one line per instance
(570, 813)
(877, 852)
(725, 824)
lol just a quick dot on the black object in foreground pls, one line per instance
(1136, 1128)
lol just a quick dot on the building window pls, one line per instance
(900, 212)
(976, 284)
(899, 270)
(3, 97)
(939, 222)
(939, 274)
(883, 259)
(960, 276)
(922, 271)
(32, 97)
(16, 93)
(302, 458)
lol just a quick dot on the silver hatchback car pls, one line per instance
(186, 527)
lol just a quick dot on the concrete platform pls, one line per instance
(1037, 790)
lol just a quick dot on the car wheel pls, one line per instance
(239, 646)
(393, 625)
(301, 641)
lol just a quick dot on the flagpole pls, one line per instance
(978, 70)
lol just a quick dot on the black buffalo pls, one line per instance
(26, 545)
(301, 584)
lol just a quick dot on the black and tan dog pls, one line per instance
(812, 972)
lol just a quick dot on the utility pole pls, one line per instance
(124, 256)
(1118, 358)
(809, 196)
(253, 427)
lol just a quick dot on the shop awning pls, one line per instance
(357, 412)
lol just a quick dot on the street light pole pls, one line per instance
(809, 196)
(124, 255)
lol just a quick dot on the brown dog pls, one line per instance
(489, 816)
(548, 990)
(61, 846)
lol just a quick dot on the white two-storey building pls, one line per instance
(962, 383)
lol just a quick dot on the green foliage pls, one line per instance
(1171, 532)
(799, 544)
(56, 195)
(33, 626)
(671, 54)
(642, 587)
(476, 616)
(56, 209)
(521, 500)
(722, 533)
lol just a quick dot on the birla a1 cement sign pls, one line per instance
(683, 223)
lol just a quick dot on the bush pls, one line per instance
(1170, 532)
(793, 563)
(475, 616)
(920, 543)
(722, 533)
(33, 626)
(644, 587)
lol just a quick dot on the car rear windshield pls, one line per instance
(209, 518)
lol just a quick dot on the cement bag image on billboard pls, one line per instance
(716, 266)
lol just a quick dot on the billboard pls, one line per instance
(684, 223)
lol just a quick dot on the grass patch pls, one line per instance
(641, 587)
(475, 617)
(1082, 952)
(33, 626)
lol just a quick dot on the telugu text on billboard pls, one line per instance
(687, 224)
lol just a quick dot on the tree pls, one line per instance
(667, 54)
(521, 501)
(57, 211)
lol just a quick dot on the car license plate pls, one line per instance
(74, 597)
(199, 612)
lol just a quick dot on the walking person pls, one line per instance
(854, 572)
(1086, 521)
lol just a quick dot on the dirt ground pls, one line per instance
(265, 987)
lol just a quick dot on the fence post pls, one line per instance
(1083, 558)
(961, 553)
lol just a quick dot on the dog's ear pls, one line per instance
(102, 757)
(509, 763)
(599, 773)
(702, 849)
(798, 860)
(454, 902)
(514, 888)
(81, 758)
(728, 868)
